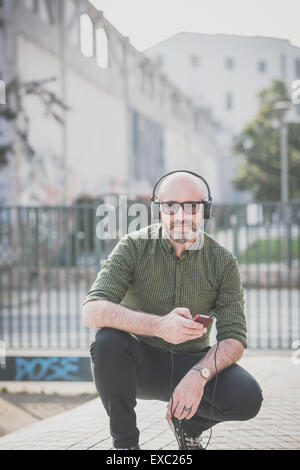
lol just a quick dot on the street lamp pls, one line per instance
(283, 107)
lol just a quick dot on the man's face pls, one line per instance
(181, 225)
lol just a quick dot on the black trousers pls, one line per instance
(125, 368)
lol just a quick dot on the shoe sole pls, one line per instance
(170, 423)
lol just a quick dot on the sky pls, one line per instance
(147, 22)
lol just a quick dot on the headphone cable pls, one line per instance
(213, 395)
(215, 384)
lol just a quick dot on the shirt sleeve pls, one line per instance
(116, 273)
(229, 307)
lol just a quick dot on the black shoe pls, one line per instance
(184, 441)
(127, 448)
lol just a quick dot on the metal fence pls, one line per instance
(50, 256)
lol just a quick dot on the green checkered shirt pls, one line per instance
(144, 274)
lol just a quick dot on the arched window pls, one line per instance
(102, 48)
(86, 35)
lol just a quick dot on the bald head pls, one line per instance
(181, 187)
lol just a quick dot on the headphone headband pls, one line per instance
(181, 171)
(207, 204)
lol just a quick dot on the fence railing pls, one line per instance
(50, 256)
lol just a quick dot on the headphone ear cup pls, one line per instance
(207, 209)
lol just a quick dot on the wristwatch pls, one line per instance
(204, 371)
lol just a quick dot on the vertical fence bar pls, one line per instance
(10, 278)
(38, 250)
(289, 265)
(268, 240)
(248, 280)
(257, 260)
(48, 242)
(19, 268)
(298, 270)
(77, 269)
(298, 264)
(97, 246)
(2, 309)
(67, 273)
(279, 277)
(59, 215)
(87, 228)
(28, 262)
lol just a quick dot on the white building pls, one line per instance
(127, 123)
(224, 73)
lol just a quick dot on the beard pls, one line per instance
(182, 233)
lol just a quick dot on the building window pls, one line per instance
(147, 148)
(283, 65)
(261, 66)
(194, 61)
(102, 48)
(297, 68)
(86, 35)
(229, 101)
(229, 63)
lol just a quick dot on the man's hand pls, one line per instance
(187, 394)
(178, 326)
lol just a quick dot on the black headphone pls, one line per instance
(207, 203)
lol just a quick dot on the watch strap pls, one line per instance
(200, 368)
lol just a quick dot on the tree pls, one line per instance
(259, 145)
(15, 111)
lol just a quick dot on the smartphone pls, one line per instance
(204, 319)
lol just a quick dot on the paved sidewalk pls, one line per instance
(277, 426)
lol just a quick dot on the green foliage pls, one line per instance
(259, 146)
(270, 251)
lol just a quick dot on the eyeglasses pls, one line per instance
(171, 207)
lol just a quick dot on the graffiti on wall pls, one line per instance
(47, 369)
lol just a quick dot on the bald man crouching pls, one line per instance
(148, 346)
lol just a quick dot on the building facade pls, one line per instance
(224, 73)
(92, 114)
